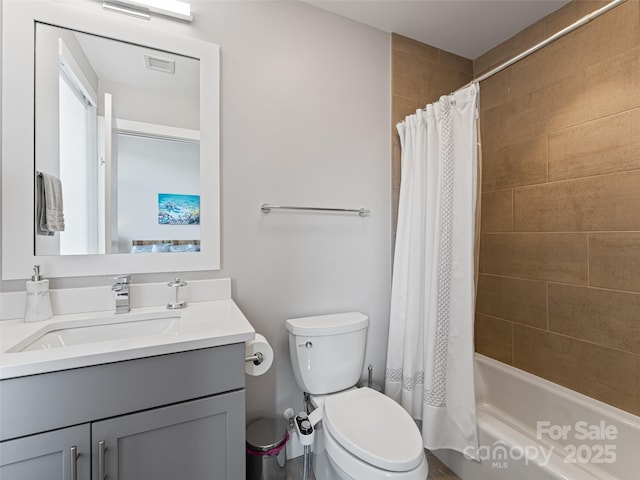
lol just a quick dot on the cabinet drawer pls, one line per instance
(54, 400)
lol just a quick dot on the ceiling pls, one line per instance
(124, 63)
(465, 27)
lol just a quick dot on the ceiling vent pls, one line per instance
(160, 64)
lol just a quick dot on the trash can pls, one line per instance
(266, 452)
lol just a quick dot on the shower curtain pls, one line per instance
(430, 348)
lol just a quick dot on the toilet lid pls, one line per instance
(374, 428)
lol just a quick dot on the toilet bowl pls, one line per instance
(366, 435)
(362, 434)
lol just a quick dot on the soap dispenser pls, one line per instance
(38, 306)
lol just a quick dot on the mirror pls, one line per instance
(117, 128)
(136, 152)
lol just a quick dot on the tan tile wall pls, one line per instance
(559, 289)
(420, 74)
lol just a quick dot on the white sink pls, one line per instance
(102, 329)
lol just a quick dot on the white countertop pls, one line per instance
(202, 325)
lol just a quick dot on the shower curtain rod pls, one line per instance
(574, 26)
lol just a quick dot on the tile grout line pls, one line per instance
(513, 210)
(588, 259)
(513, 345)
(546, 137)
(547, 300)
(579, 339)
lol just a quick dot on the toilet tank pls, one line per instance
(327, 351)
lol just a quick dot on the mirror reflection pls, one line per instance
(117, 156)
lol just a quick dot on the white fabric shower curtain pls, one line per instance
(430, 348)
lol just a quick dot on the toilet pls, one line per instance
(362, 434)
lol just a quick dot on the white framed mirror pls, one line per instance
(146, 181)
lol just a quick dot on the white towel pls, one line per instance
(49, 206)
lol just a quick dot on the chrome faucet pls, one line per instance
(121, 289)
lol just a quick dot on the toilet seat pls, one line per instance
(355, 468)
(373, 428)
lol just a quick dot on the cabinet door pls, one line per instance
(47, 456)
(197, 440)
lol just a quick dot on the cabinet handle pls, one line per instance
(101, 466)
(74, 463)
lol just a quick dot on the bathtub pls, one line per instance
(533, 429)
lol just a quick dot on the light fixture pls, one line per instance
(142, 8)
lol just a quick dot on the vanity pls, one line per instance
(161, 406)
(98, 395)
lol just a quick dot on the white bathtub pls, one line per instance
(533, 429)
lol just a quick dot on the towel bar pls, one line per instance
(363, 212)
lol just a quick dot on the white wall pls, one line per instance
(305, 115)
(142, 105)
(1, 118)
(146, 167)
(305, 121)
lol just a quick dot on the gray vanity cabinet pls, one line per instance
(47, 455)
(181, 442)
(178, 416)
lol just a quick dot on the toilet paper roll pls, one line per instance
(258, 344)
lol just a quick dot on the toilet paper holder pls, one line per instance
(258, 356)
(257, 359)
